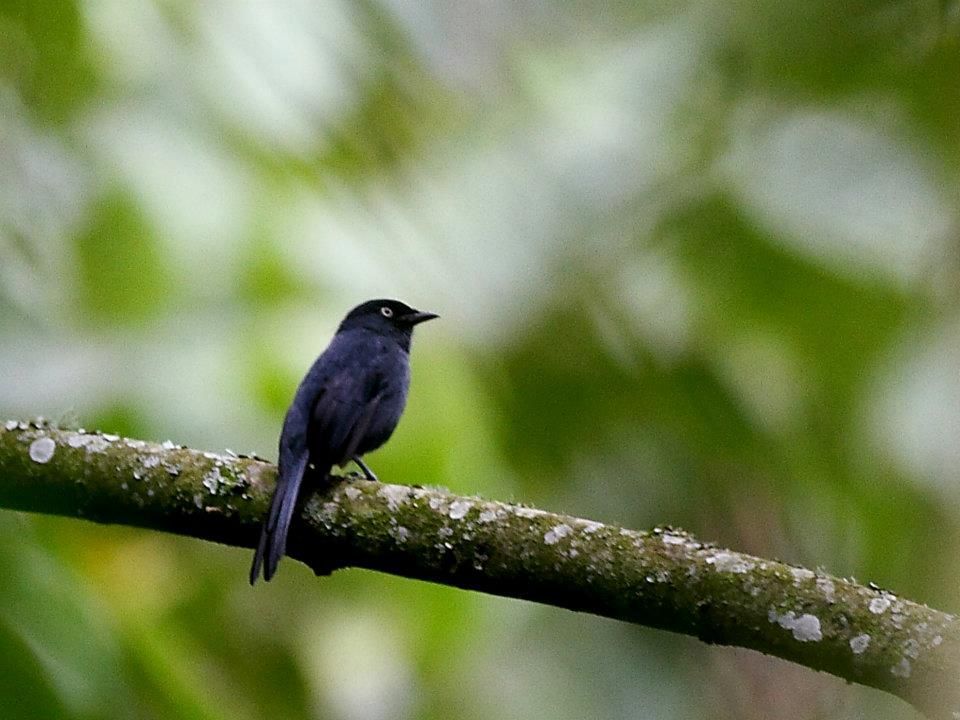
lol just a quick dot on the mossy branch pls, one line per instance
(663, 578)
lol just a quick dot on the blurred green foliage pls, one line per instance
(697, 265)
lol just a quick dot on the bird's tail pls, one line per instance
(273, 537)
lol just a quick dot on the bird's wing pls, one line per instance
(343, 413)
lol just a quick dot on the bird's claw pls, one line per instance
(366, 471)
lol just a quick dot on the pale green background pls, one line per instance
(697, 264)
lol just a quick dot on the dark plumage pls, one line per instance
(348, 404)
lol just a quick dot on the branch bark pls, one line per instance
(663, 578)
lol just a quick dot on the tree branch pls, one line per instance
(664, 579)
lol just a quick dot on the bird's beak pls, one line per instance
(417, 317)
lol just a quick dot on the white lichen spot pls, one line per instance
(590, 527)
(168, 445)
(805, 628)
(198, 500)
(395, 495)
(937, 639)
(400, 533)
(211, 481)
(42, 449)
(671, 539)
(879, 605)
(826, 586)
(150, 461)
(96, 444)
(10, 424)
(911, 648)
(801, 574)
(77, 440)
(487, 516)
(860, 643)
(459, 509)
(110, 438)
(528, 513)
(436, 503)
(556, 533)
(573, 552)
(352, 493)
(902, 669)
(730, 562)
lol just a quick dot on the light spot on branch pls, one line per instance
(395, 495)
(211, 481)
(805, 628)
(730, 562)
(42, 449)
(860, 643)
(488, 516)
(826, 586)
(879, 605)
(556, 533)
(459, 509)
(902, 669)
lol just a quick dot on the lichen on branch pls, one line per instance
(662, 578)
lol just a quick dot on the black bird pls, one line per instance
(348, 404)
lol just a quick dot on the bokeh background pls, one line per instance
(697, 264)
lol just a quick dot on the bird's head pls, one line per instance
(389, 317)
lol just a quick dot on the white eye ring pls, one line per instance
(386, 311)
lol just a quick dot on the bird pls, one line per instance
(347, 405)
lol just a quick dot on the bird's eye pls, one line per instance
(386, 311)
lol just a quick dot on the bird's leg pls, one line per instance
(366, 471)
